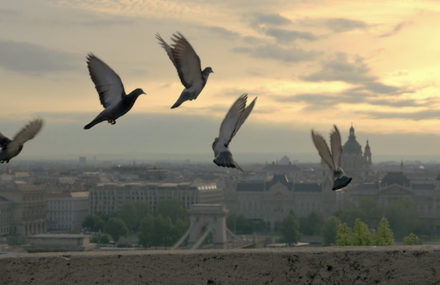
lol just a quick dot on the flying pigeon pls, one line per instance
(11, 148)
(236, 116)
(187, 63)
(111, 92)
(332, 159)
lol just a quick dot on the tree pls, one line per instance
(402, 216)
(172, 208)
(143, 210)
(239, 224)
(116, 228)
(146, 231)
(312, 224)
(167, 227)
(128, 213)
(178, 230)
(344, 235)
(330, 230)
(99, 224)
(289, 229)
(100, 238)
(362, 234)
(350, 215)
(384, 235)
(372, 209)
(411, 239)
(89, 222)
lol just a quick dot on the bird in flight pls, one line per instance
(111, 92)
(236, 116)
(188, 66)
(11, 148)
(333, 158)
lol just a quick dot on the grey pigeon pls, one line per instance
(11, 148)
(333, 158)
(231, 124)
(188, 66)
(111, 92)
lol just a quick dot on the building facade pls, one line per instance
(396, 186)
(108, 197)
(67, 210)
(29, 206)
(271, 201)
(5, 216)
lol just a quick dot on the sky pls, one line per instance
(312, 64)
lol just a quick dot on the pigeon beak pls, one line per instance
(144, 93)
(212, 71)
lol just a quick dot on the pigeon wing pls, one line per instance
(186, 60)
(167, 48)
(323, 149)
(28, 132)
(229, 125)
(336, 146)
(4, 141)
(107, 82)
(244, 115)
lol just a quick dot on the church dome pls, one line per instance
(395, 178)
(352, 146)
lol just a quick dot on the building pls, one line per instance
(396, 186)
(29, 207)
(108, 197)
(67, 210)
(59, 243)
(271, 201)
(82, 160)
(143, 172)
(355, 163)
(5, 216)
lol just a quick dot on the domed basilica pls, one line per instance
(356, 164)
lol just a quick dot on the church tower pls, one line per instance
(367, 154)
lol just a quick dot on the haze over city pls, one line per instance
(373, 63)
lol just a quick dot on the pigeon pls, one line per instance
(11, 148)
(333, 159)
(111, 92)
(187, 63)
(231, 124)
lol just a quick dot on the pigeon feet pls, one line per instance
(111, 121)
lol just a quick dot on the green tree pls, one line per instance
(312, 224)
(402, 216)
(146, 231)
(89, 222)
(179, 230)
(172, 208)
(239, 224)
(128, 213)
(143, 210)
(100, 238)
(384, 235)
(330, 230)
(116, 228)
(167, 228)
(289, 229)
(362, 234)
(411, 239)
(372, 209)
(99, 224)
(350, 215)
(344, 235)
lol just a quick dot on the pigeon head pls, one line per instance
(207, 71)
(138, 92)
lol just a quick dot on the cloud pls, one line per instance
(275, 52)
(342, 68)
(341, 25)
(401, 72)
(273, 19)
(286, 36)
(227, 34)
(414, 116)
(36, 60)
(393, 32)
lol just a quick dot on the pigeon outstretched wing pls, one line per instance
(28, 132)
(184, 58)
(107, 82)
(336, 145)
(323, 150)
